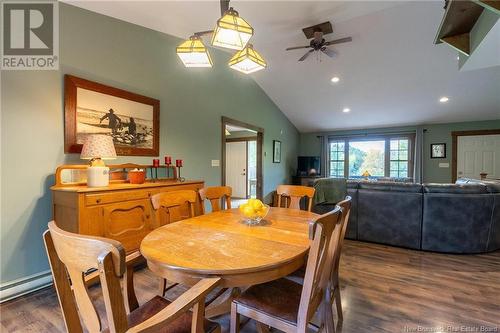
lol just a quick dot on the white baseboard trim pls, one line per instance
(25, 285)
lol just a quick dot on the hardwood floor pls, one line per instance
(384, 289)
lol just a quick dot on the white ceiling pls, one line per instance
(391, 73)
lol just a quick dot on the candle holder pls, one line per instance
(168, 163)
(156, 165)
(179, 164)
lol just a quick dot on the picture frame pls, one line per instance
(276, 151)
(438, 150)
(132, 120)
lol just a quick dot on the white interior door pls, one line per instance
(477, 154)
(236, 165)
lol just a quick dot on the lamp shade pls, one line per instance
(247, 60)
(231, 31)
(193, 53)
(98, 146)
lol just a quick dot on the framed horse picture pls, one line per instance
(132, 120)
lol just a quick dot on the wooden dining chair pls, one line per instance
(345, 206)
(334, 290)
(287, 305)
(71, 255)
(293, 194)
(171, 204)
(215, 195)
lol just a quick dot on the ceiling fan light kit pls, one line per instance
(231, 32)
(193, 53)
(317, 42)
(247, 61)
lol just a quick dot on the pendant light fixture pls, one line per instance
(193, 53)
(231, 31)
(247, 60)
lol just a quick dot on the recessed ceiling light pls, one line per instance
(345, 110)
(444, 99)
(335, 79)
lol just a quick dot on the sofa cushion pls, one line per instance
(456, 223)
(391, 186)
(455, 188)
(390, 217)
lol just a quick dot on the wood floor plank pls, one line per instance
(384, 289)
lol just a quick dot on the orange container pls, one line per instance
(136, 177)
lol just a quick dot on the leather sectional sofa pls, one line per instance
(450, 218)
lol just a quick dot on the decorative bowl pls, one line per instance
(136, 176)
(255, 217)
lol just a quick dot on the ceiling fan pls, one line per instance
(318, 43)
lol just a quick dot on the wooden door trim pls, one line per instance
(253, 138)
(260, 139)
(454, 146)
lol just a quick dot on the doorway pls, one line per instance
(242, 159)
(476, 154)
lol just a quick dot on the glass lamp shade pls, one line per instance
(98, 146)
(231, 31)
(247, 61)
(193, 53)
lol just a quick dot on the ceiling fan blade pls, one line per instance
(297, 47)
(328, 52)
(306, 55)
(338, 41)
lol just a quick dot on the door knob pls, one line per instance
(243, 174)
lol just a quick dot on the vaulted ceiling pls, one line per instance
(390, 74)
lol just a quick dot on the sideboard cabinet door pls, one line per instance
(127, 222)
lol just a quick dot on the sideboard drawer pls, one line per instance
(119, 196)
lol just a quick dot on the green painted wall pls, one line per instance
(437, 133)
(134, 58)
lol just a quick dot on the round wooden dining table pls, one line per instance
(220, 245)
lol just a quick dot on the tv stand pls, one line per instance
(305, 180)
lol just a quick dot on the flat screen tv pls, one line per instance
(308, 166)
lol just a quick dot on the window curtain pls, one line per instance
(418, 172)
(325, 172)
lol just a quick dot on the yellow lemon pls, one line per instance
(242, 207)
(251, 201)
(261, 212)
(257, 204)
(248, 211)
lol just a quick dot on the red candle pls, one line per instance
(156, 163)
(178, 163)
(168, 160)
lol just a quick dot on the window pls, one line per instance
(379, 156)
(337, 158)
(399, 158)
(367, 156)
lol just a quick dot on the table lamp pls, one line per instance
(96, 148)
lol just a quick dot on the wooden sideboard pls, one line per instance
(120, 211)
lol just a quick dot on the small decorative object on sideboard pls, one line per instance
(137, 176)
(438, 150)
(276, 151)
(154, 171)
(179, 165)
(168, 164)
(97, 148)
(366, 175)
